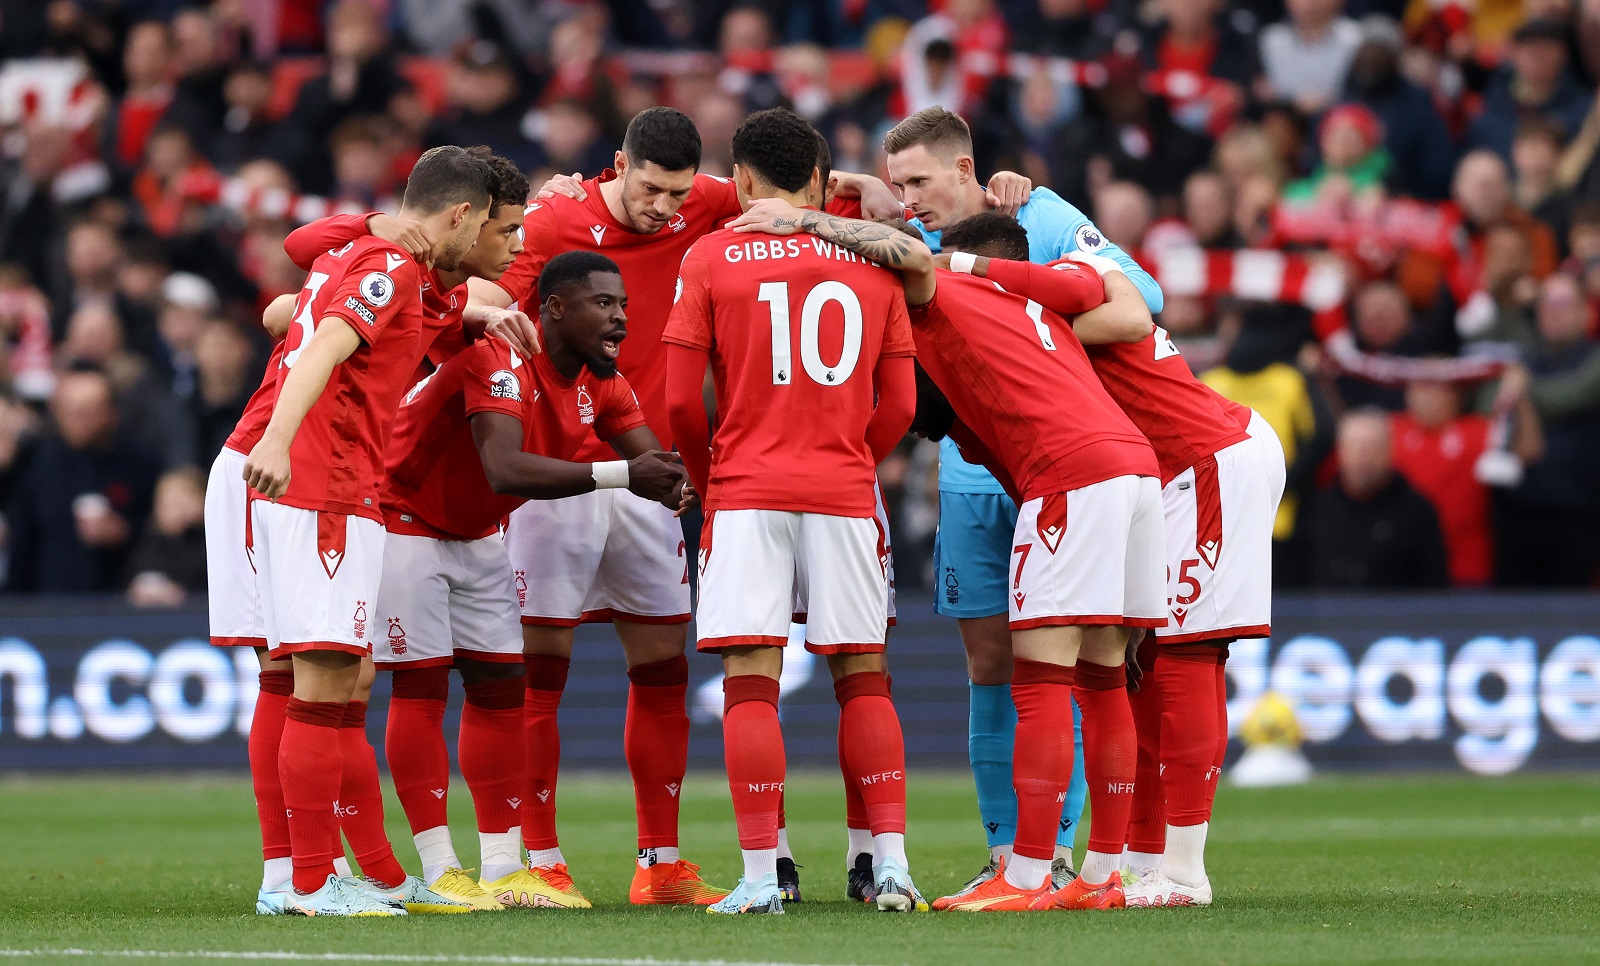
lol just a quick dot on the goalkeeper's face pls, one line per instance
(930, 185)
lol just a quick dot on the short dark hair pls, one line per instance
(779, 146)
(569, 267)
(665, 136)
(991, 234)
(937, 129)
(446, 176)
(510, 185)
(824, 159)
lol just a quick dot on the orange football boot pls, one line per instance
(672, 884)
(998, 895)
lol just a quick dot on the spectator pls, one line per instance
(1208, 211)
(169, 561)
(1583, 246)
(198, 104)
(1437, 449)
(571, 139)
(1075, 29)
(165, 186)
(1535, 157)
(362, 174)
(1123, 212)
(25, 343)
(82, 498)
(226, 365)
(1534, 83)
(187, 301)
(1355, 165)
(147, 66)
(361, 79)
(1482, 194)
(1414, 132)
(1368, 529)
(1502, 312)
(1305, 58)
(1546, 527)
(1196, 38)
(485, 105)
(1127, 135)
(248, 131)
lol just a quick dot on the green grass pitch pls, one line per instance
(1346, 870)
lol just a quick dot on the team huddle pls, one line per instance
(487, 423)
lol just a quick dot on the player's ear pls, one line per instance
(965, 167)
(815, 188)
(744, 181)
(458, 214)
(619, 161)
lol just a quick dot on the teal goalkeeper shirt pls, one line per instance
(1055, 228)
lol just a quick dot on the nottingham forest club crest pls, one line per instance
(397, 637)
(585, 406)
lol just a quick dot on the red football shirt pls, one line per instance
(1184, 419)
(443, 333)
(1440, 464)
(1022, 386)
(649, 266)
(337, 456)
(436, 485)
(795, 327)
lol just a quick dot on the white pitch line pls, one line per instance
(287, 956)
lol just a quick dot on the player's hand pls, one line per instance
(404, 232)
(683, 499)
(1008, 191)
(878, 200)
(570, 185)
(515, 329)
(654, 475)
(1135, 672)
(769, 215)
(266, 470)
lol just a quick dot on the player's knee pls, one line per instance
(987, 641)
(474, 671)
(764, 661)
(549, 641)
(650, 643)
(844, 665)
(1105, 644)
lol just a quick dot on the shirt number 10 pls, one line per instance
(776, 295)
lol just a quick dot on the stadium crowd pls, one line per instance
(1376, 222)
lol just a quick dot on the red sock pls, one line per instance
(869, 732)
(655, 741)
(419, 763)
(1189, 724)
(855, 809)
(1147, 824)
(492, 752)
(310, 764)
(1110, 752)
(547, 678)
(266, 734)
(1041, 767)
(1222, 730)
(752, 742)
(361, 801)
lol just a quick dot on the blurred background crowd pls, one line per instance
(1376, 221)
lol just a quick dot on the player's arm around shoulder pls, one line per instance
(888, 245)
(1072, 231)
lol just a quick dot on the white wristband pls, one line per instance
(1099, 263)
(611, 475)
(962, 262)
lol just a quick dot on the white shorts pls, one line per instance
(1093, 555)
(596, 557)
(318, 575)
(754, 564)
(1219, 516)
(231, 594)
(444, 598)
(885, 552)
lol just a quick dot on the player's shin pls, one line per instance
(266, 736)
(492, 755)
(1147, 823)
(546, 679)
(310, 764)
(655, 742)
(1110, 758)
(753, 746)
(1041, 767)
(360, 803)
(991, 736)
(419, 762)
(869, 729)
(1189, 747)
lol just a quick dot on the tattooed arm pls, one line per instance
(888, 245)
